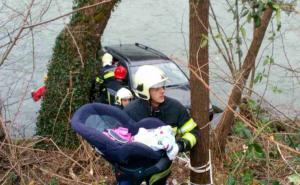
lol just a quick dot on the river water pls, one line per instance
(162, 25)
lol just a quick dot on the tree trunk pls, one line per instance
(199, 94)
(223, 128)
(73, 65)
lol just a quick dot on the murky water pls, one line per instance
(162, 25)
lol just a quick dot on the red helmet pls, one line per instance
(120, 72)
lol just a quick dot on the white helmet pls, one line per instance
(107, 59)
(147, 77)
(121, 94)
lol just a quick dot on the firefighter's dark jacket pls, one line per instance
(106, 74)
(170, 112)
(103, 80)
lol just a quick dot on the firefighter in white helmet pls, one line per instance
(107, 59)
(103, 80)
(150, 84)
(123, 97)
(148, 77)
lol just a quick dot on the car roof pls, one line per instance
(135, 52)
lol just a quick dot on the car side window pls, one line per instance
(174, 74)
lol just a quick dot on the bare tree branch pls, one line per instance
(64, 15)
(18, 34)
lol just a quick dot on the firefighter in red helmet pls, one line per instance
(120, 73)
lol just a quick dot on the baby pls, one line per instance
(161, 138)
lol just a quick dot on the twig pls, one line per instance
(268, 74)
(76, 45)
(67, 155)
(22, 147)
(230, 59)
(5, 55)
(8, 171)
(59, 108)
(238, 33)
(268, 161)
(286, 162)
(64, 15)
(59, 176)
(245, 120)
(65, 162)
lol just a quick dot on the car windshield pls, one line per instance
(172, 71)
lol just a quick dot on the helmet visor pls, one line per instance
(160, 84)
(127, 97)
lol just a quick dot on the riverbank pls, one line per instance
(21, 163)
(249, 159)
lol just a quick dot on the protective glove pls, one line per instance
(183, 145)
(180, 144)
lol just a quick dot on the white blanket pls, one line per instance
(161, 138)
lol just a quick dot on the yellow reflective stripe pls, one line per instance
(109, 74)
(154, 178)
(99, 80)
(174, 129)
(187, 126)
(191, 138)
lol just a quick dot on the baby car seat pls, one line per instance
(133, 162)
